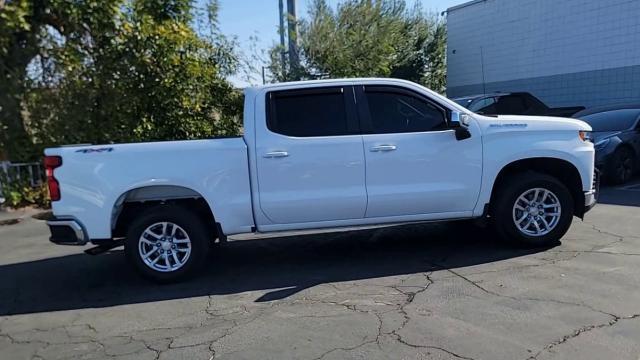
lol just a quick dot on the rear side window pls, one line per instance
(305, 113)
(534, 106)
(397, 112)
(511, 105)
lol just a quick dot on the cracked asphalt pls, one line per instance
(429, 291)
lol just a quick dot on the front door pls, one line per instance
(310, 160)
(414, 163)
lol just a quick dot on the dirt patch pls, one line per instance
(9, 222)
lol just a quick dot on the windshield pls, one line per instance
(463, 101)
(484, 106)
(615, 120)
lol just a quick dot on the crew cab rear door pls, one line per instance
(309, 156)
(414, 163)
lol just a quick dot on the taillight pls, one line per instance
(50, 163)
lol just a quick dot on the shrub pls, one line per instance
(18, 194)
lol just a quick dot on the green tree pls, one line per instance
(435, 76)
(381, 38)
(31, 29)
(112, 71)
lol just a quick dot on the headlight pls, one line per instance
(602, 144)
(585, 136)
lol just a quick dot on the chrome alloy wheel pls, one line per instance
(536, 212)
(164, 247)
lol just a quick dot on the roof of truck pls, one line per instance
(305, 83)
(253, 91)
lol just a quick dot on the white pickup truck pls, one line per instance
(323, 154)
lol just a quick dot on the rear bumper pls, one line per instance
(67, 232)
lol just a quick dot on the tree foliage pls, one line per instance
(382, 38)
(111, 71)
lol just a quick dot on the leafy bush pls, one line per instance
(18, 194)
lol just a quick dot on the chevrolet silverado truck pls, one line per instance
(323, 154)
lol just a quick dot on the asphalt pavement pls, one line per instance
(428, 291)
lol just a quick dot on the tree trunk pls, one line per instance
(14, 138)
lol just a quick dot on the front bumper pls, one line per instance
(67, 232)
(591, 197)
(590, 200)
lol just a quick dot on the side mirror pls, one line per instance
(459, 122)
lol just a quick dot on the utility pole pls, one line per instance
(283, 57)
(292, 25)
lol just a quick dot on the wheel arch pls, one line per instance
(627, 146)
(138, 199)
(561, 169)
(609, 165)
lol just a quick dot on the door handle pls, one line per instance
(276, 154)
(383, 148)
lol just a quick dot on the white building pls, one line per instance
(566, 52)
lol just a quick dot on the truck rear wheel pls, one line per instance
(167, 243)
(532, 210)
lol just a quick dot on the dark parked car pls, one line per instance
(516, 103)
(616, 134)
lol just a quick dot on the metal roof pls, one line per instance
(463, 5)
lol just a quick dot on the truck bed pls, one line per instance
(93, 178)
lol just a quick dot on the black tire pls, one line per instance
(502, 210)
(192, 226)
(622, 166)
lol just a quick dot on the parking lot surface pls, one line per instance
(428, 291)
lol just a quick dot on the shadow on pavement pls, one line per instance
(625, 195)
(279, 266)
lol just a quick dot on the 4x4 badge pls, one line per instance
(95, 150)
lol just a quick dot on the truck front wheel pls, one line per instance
(532, 210)
(167, 243)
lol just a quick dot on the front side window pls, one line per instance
(393, 112)
(320, 112)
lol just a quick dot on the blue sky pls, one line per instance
(259, 18)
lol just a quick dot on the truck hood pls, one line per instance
(602, 135)
(535, 123)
